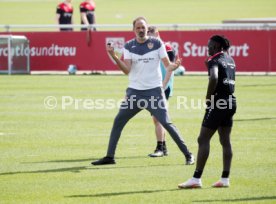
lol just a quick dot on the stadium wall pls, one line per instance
(253, 50)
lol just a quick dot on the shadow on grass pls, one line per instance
(60, 161)
(85, 168)
(257, 85)
(72, 169)
(80, 160)
(120, 193)
(262, 198)
(254, 119)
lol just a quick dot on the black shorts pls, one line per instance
(216, 117)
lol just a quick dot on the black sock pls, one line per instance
(225, 174)
(159, 145)
(164, 145)
(197, 174)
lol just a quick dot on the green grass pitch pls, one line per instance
(45, 154)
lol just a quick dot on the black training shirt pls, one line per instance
(226, 73)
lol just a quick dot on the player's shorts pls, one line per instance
(216, 117)
(66, 29)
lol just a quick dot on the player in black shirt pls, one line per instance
(87, 10)
(64, 14)
(221, 106)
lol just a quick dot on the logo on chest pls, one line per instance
(150, 45)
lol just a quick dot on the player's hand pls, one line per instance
(110, 49)
(178, 62)
(208, 103)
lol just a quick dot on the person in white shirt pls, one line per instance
(142, 56)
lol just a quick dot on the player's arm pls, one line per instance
(57, 19)
(84, 18)
(213, 81)
(167, 78)
(72, 20)
(171, 66)
(169, 73)
(123, 65)
(94, 21)
(94, 18)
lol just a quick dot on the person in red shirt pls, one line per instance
(87, 10)
(64, 14)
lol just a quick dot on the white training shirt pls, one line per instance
(145, 72)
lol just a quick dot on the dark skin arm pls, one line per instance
(213, 80)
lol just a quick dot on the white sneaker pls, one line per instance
(190, 160)
(191, 183)
(157, 153)
(223, 182)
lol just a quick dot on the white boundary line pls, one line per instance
(99, 72)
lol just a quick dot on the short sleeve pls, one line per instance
(162, 51)
(83, 9)
(211, 64)
(126, 54)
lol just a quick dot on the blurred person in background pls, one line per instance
(167, 77)
(87, 11)
(64, 14)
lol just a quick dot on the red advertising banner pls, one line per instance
(253, 50)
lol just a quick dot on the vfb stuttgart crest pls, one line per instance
(118, 44)
(150, 45)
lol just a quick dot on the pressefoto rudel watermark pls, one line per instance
(69, 102)
(186, 103)
(182, 103)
